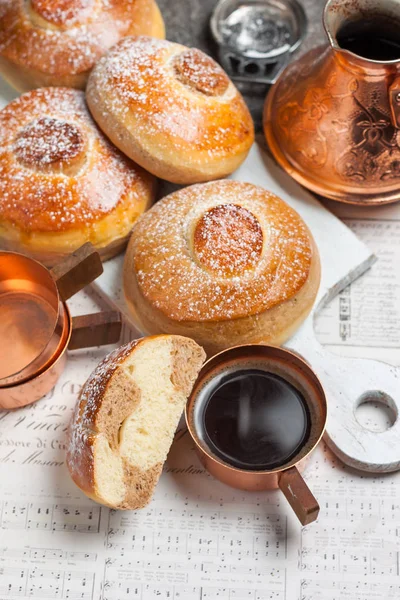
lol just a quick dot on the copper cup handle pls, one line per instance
(76, 271)
(98, 329)
(299, 496)
(394, 101)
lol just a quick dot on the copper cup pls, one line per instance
(36, 328)
(31, 317)
(287, 477)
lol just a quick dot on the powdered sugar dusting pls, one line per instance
(48, 140)
(62, 12)
(138, 84)
(201, 72)
(34, 195)
(79, 32)
(228, 239)
(172, 278)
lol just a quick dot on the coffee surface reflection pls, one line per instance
(372, 38)
(252, 419)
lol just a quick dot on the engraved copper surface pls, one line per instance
(287, 478)
(333, 118)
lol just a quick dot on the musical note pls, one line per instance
(76, 518)
(13, 581)
(14, 516)
(51, 517)
(197, 539)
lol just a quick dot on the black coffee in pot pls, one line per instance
(374, 38)
(254, 420)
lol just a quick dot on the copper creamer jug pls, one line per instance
(332, 120)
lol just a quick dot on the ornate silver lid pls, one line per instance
(257, 37)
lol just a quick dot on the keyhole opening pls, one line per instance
(376, 411)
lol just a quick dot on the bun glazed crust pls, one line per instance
(225, 263)
(171, 109)
(61, 182)
(57, 42)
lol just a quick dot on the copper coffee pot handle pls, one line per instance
(98, 329)
(298, 495)
(76, 271)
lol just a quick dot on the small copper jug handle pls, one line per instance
(299, 496)
(394, 101)
(98, 329)
(76, 271)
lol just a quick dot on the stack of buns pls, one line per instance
(171, 110)
(223, 263)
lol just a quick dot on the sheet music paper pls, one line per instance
(364, 319)
(198, 539)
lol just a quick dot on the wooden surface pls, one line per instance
(77, 270)
(299, 496)
(98, 329)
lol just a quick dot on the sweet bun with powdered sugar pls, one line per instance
(57, 42)
(62, 183)
(226, 263)
(170, 108)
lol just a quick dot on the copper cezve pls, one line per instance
(332, 120)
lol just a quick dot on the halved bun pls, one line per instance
(126, 417)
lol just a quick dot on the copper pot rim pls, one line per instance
(299, 457)
(79, 332)
(377, 65)
(56, 356)
(339, 193)
(46, 354)
(69, 276)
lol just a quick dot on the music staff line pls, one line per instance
(131, 519)
(45, 554)
(329, 590)
(189, 568)
(51, 517)
(114, 591)
(209, 545)
(348, 508)
(350, 561)
(44, 583)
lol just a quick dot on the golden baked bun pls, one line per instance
(224, 263)
(61, 181)
(57, 42)
(126, 417)
(170, 108)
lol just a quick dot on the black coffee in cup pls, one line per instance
(252, 419)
